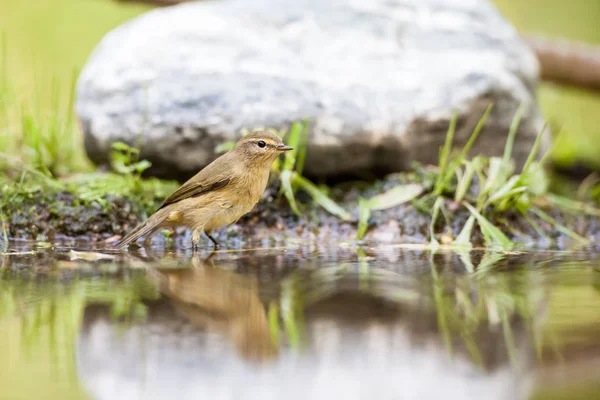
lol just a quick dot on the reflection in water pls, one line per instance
(387, 325)
(224, 301)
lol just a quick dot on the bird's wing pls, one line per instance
(208, 180)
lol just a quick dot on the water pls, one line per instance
(298, 323)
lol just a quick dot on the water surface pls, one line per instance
(298, 323)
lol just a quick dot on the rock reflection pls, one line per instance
(348, 330)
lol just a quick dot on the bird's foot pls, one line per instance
(217, 245)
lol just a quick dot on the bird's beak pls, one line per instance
(283, 147)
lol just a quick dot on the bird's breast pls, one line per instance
(257, 184)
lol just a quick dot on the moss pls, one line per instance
(90, 207)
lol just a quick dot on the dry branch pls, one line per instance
(567, 62)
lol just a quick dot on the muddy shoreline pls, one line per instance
(47, 216)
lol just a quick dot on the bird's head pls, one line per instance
(260, 148)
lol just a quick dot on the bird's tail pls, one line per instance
(145, 228)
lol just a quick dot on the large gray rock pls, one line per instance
(378, 81)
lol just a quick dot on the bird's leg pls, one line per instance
(209, 234)
(195, 239)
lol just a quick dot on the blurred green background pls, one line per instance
(47, 41)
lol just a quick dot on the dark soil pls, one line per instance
(48, 216)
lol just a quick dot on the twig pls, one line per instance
(567, 62)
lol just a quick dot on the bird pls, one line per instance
(219, 194)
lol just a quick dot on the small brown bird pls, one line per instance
(218, 195)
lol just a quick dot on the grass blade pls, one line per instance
(464, 183)
(572, 205)
(463, 154)
(445, 154)
(494, 178)
(439, 203)
(464, 237)
(286, 184)
(395, 196)
(506, 190)
(512, 133)
(493, 236)
(534, 149)
(557, 225)
(319, 197)
(364, 213)
(475, 134)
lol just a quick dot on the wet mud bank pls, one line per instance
(46, 215)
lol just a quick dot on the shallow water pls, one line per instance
(298, 323)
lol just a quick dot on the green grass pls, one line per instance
(43, 46)
(91, 190)
(488, 187)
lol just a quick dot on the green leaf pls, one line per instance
(463, 154)
(557, 225)
(395, 196)
(445, 154)
(464, 183)
(286, 184)
(437, 206)
(492, 235)
(573, 205)
(534, 149)
(124, 147)
(464, 237)
(320, 198)
(364, 214)
(495, 177)
(505, 190)
(141, 166)
(516, 197)
(536, 179)
(512, 133)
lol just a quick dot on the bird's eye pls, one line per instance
(261, 143)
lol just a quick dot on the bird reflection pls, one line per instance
(228, 302)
